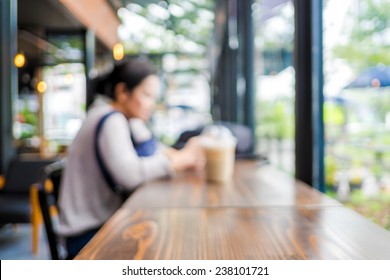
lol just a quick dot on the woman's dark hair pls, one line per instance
(131, 73)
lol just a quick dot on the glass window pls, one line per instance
(52, 95)
(174, 35)
(25, 126)
(63, 102)
(357, 104)
(275, 79)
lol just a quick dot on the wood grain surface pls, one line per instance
(252, 185)
(262, 213)
(271, 232)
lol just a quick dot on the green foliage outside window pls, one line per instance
(365, 46)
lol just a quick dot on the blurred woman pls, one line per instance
(109, 157)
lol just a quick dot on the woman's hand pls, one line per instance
(191, 157)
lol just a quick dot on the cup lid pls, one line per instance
(218, 135)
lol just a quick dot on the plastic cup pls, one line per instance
(219, 146)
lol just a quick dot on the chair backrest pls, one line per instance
(48, 199)
(22, 173)
(244, 135)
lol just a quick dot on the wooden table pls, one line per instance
(261, 214)
(252, 185)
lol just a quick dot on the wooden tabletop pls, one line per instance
(261, 214)
(252, 185)
(281, 232)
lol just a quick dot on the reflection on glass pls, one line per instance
(274, 34)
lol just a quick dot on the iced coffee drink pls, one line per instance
(219, 146)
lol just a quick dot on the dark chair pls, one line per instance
(48, 198)
(243, 134)
(15, 195)
(15, 206)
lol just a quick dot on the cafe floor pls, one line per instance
(15, 243)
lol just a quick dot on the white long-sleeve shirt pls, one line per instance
(86, 201)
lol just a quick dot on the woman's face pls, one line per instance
(142, 99)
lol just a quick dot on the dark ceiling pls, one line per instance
(45, 13)
(38, 17)
(34, 19)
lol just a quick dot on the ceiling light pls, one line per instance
(41, 87)
(19, 60)
(118, 51)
